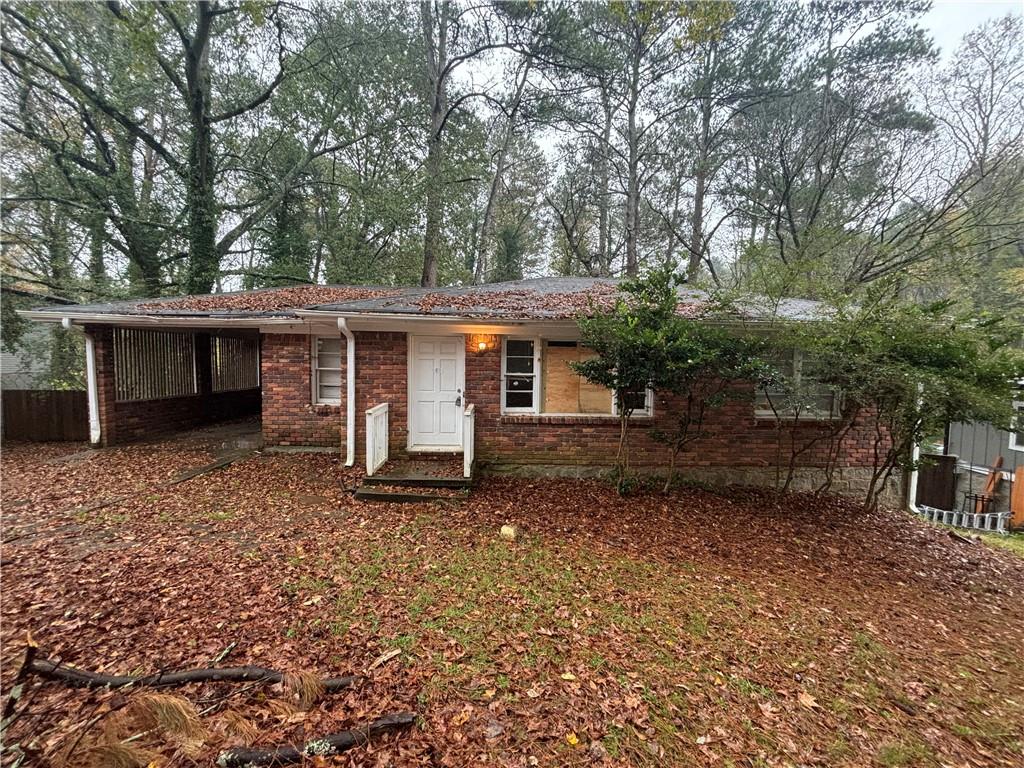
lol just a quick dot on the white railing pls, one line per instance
(468, 435)
(376, 437)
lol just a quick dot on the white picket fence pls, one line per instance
(376, 437)
(993, 522)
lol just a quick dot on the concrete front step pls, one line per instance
(370, 493)
(418, 481)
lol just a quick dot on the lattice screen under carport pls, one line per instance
(149, 365)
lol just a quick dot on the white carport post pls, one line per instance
(350, 392)
(92, 390)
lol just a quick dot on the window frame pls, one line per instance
(646, 412)
(536, 375)
(807, 415)
(315, 369)
(1016, 425)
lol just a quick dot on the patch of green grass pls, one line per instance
(986, 732)
(750, 688)
(1013, 542)
(866, 650)
(306, 584)
(905, 753)
(839, 748)
(697, 624)
(613, 741)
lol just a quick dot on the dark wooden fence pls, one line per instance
(45, 415)
(936, 482)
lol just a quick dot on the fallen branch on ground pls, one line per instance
(82, 678)
(333, 744)
(18, 684)
(962, 539)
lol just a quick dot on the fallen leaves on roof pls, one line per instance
(527, 302)
(522, 302)
(272, 300)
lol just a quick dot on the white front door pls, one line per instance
(436, 383)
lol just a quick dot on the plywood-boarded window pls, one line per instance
(565, 391)
(150, 365)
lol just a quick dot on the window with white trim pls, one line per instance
(804, 397)
(1017, 427)
(327, 370)
(641, 402)
(537, 377)
(519, 380)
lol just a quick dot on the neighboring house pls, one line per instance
(978, 446)
(27, 366)
(482, 370)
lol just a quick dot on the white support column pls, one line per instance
(91, 386)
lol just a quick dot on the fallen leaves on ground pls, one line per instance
(698, 628)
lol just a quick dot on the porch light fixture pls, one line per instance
(481, 342)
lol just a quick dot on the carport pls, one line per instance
(146, 379)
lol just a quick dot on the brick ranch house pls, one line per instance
(480, 370)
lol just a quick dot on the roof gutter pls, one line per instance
(46, 316)
(350, 392)
(324, 314)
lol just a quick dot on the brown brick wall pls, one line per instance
(127, 421)
(290, 418)
(735, 438)
(381, 377)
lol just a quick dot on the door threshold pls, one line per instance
(434, 449)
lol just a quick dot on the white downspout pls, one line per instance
(92, 389)
(350, 392)
(915, 457)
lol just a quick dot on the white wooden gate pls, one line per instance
(376, 437)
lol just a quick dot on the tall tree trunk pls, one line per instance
(700, 180)
(437, 62)
(501, 158)
(204, 258)
(97, 268)
(633, 180)
(604, 256)
(432, 234)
